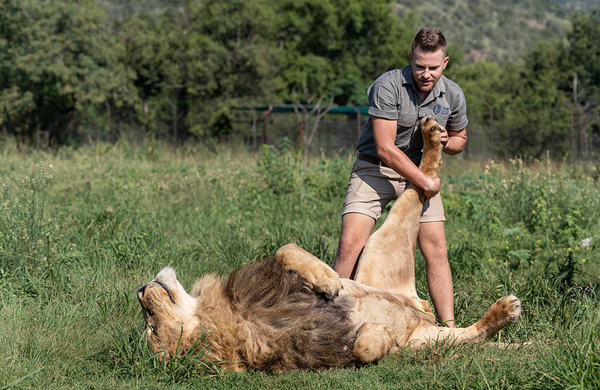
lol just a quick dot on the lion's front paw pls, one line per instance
(326, 281)
(318, 275)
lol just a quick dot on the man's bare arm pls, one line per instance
(384, 134)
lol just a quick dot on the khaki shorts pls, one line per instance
(372, 187)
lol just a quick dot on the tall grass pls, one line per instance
(81, 229)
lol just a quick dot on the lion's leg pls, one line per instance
(504, 311)
(387, 261)
(373, 343)
(318, 275)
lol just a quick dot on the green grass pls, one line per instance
(81, 229)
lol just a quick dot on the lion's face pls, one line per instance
(169, 313)
(431, 130)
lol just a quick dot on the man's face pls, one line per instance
(427, 67)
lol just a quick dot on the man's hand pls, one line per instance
(453, 142)
(433, 187)
(444, 137)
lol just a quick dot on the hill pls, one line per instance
(481, 29)
(577, 5)
(496, 31)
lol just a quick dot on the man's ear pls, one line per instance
(410, 57)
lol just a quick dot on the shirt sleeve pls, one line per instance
(383, 100)
(458, 117)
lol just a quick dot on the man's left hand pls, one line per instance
(444, 137)
(453, 142)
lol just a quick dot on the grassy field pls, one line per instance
(80, 230)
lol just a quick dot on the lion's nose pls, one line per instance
(141, 290)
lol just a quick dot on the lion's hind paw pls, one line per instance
(510, 307)
(504, 311)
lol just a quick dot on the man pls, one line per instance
(389, 152)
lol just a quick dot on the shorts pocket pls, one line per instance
(357, 179)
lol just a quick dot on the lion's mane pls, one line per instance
(279, 323)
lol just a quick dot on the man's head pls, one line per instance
(428, 58)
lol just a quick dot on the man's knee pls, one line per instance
(432, 234)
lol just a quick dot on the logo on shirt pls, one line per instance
(437, 109)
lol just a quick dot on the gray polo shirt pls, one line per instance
(394, 96)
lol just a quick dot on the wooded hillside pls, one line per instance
(73, 70)
(497, 31)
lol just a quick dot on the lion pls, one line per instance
(292, 311)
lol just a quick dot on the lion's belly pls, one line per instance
(401, 314)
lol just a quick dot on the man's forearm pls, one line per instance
(384, 133)
(399, 162)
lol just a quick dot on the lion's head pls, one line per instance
(431, 131)
(169, 312)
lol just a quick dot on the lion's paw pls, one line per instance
(504, 311)
(166, 275)
(318, 275)
(326, 281)
(509, 307)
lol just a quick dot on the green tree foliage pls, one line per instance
(535, 118)
(546, 103)
(175, 68)
(58, 65)
(203, 55)
(520, 105)
(197, 60)
(584, 53)
(338, 47)
(583, 65)
(243, 57)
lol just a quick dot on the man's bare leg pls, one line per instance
(356, 230)
(432, 243)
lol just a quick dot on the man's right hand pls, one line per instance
(433, 187)
(384, 133)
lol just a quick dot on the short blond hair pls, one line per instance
(429, 40)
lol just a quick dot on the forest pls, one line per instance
(74, 71)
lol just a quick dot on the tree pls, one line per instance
(523, 105)
(479, 82)
(308, 118)
(245, 60)
(535, 120)
(584, 67)
(59, 64)
(338, 47)
(197, 60)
